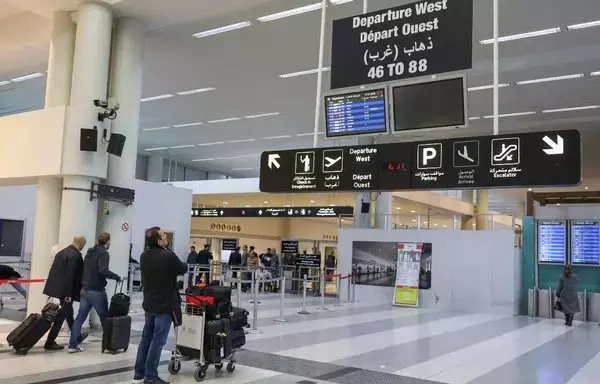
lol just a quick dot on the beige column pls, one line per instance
(481, 210)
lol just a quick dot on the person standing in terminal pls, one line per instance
(93, 288)
(159, 268)
(245, 275)
(8, 273)
(193, 256)
(203, 260)
(235, 263)
(567, 294)
(64, 284)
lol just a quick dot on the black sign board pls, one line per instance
(519, 160)
(229, 244)
(308, 260)
(418, 39)
(289, 246)
(274, 212)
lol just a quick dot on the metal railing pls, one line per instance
(431, 221)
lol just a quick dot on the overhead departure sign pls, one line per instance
(418, 39)
(521, 160)
(270, 212)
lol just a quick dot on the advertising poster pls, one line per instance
(374, 262)
(406, 292)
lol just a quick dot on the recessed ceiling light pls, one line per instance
(4, 83)
(227, 158)
(413, 211)
(309, 134)
(27, 77)
(571, 109)
(155, 149)
(584, 25)
(332, 205)
(519, 36)
(303, 73)
(242, 169)
(338, 2)
(224, 120)
(156, 129)
(586, 188)
(266, 202)
(223, 29)
(159, 97)
(209, 144)
(424, 222)
(289, 12)
(225, 203)
(241, 141)
(557, 203)
(529, 189)
(188, 124)
(261, 115)
(287, 205)
(474, 118)
(484, 87)
(247, 206)
(511, 114)
(435, 225)
(414, 221)
(312, 201)
(548, 79)
(182, 146)
(194, 91)
(276, 137)
(209, 159)
(445, 226)
(595, 73)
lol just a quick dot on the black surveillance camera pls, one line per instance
(101, 103)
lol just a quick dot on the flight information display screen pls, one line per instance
(552, 241)
(357, 113)
(585, 242)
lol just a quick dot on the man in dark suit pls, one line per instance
(64, 284)
(203, 260)
(235, 263)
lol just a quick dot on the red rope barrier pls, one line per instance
(19, 281)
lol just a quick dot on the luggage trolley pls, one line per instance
(189, 345)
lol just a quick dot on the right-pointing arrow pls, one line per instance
(272, 162)
(556, 147)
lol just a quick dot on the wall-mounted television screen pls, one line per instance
(357, 113)
(430, 104)
(11, 237)
(552, 241)
(585, 242)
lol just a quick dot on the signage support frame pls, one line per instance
(320, 73)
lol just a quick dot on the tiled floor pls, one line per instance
(354, 343)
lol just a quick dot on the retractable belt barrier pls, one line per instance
(22, 281)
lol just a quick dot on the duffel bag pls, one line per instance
(220, 293)
(239, 318)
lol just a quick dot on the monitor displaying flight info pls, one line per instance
(357, 113)
(552, 241)
(585, 242)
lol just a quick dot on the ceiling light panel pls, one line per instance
(156, 129)
(338, 2)
(584, 25)
(4, 83)
(289, 13)
(242, 169)
(595, 73)
(27, 77)
(571, 109)
(303, 73)
(156, 149)
(224, 120)
(474, 118)
(159, 97)
(520, 36)
(182, 146)
(261, 115)
(276, 137)
(188, 125)
(549, 79)
(484, 87)
(309, 134)
(209, 144)
(511, 114)
(226, 28)
(195, 91)
(241, 141)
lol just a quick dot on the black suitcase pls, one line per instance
(217, 340)
(238, 318)
(238, 338)
(221, 294)
(117, 333)
(32, 329)
(119, 303)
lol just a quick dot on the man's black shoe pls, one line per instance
(158, 380)
(82, 337)
(53, 347)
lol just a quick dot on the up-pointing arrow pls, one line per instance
(556, 147)
(272, 162)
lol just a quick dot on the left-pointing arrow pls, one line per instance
(272, 162)
(556, 147)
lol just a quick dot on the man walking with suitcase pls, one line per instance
(159, 268)
(64, 283)
(93, 292)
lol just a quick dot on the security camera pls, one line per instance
(110, 107)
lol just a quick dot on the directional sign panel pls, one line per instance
(517, 160)
(269, 212)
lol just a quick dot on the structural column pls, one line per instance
(89, 82)
(466, 222)
(126, 89)
(155, 168)
(481, 210)
(49, 190)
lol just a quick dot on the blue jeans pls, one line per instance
(89, 299)
(154, 338)
(19, 289)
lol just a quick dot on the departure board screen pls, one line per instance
(552, 241)
(585, 242)
(357, 113)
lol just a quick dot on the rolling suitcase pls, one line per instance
(217, 340)
(119, 303)
(30, 331)
(117, 333)
(238, 318)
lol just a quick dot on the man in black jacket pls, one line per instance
(203, 260)
(159, 268)
(64, 283)
(93, 284)
(235, 263)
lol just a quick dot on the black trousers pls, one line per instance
(64, 313)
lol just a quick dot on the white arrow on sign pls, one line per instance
(272, 162)
(556, 147)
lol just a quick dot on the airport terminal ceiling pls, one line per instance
(230, 101)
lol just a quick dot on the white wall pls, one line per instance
(164, 206)
(568, 212)
(18, 203)
(471, 270)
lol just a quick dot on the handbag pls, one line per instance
(558, 306)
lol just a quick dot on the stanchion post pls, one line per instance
(239, 289)
(585, 314)
(354, 291)
(281, 319)
(304, 287)
(322, 307)
(255, 329)
(350, 278)
(338, 286)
